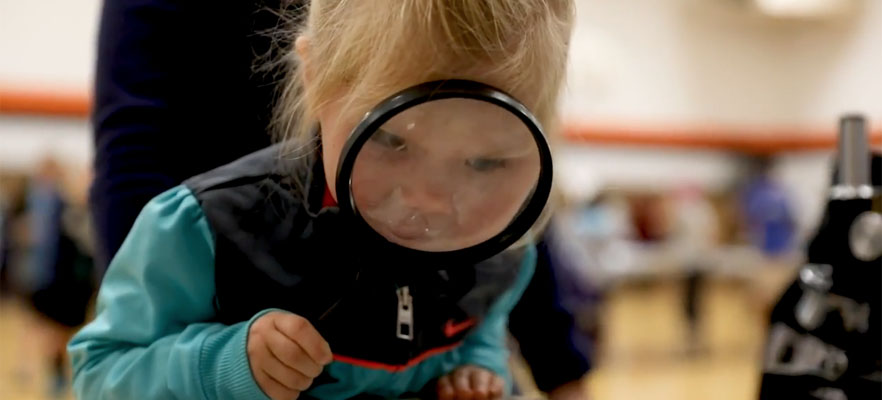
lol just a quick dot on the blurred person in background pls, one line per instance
(767, 211)
(59, 274)
(173, 75)
(13, 231)
(694, 234)
(4, 244)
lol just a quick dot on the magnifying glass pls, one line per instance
(448, 171)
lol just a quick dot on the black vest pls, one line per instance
(276, 247)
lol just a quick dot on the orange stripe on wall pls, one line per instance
(749, 140)
(47, 103)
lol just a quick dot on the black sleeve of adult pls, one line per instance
(174, 96)
(545, 330)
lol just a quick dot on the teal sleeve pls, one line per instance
(150, 338)
(486, 346)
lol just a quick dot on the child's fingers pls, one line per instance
(496, 387)
(288, 377)
(291, 354)
(303, 333)
(445, 388)
(480, 382)
(274, 389)
(462, 384)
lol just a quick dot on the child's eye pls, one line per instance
(389, 140)
(485, 164)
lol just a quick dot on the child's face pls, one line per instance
(438, 177)
(441, 176)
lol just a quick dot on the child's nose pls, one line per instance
(429, 199)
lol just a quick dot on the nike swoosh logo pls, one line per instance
(452, 328)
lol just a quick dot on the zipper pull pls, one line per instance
(404, 328)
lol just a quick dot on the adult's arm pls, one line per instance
(545, 330)
(175, 95)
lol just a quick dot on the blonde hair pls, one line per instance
(369, 49)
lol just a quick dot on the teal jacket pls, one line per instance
(157, 334)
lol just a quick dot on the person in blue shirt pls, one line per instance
(204, 299)
(768, 212)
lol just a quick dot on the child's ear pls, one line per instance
(301, 46)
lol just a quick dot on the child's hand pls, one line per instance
(286, 353)
(470, 383)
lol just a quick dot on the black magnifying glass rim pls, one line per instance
(433, 91)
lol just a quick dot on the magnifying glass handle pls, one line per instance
(328, 310)
(324, 379)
